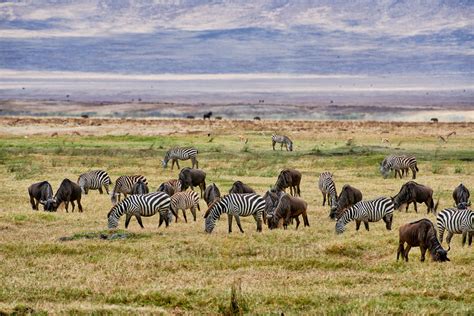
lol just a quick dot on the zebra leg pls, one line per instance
(413, 170)
(470, 238)
(358, 224)
(237, 219)
(407, 250)
(366, 224)
(448, 238)
(106, 186)
(259, 222)
(139, 219)
(388, 221)
(423, 253)
(193, 211)
(100, 190)
(127, 220)
(198, 207)
(324, 198)
(184, 215)
(281, 147)
(464, 238)
(229, 221)
(273, 145)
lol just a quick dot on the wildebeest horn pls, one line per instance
(449, 248)
(43, 202)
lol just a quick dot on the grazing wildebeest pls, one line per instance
(211, 194)
(140, 187)
(207, 115)
(421, 234)
(40, 193)
(288, 207)
(434, 120)
(257, 118)
(191, 178)
(348, 197)
(68, 192)
(289, 178)
(190, 117)
(412, 192)
(240, 188)
(461, 197)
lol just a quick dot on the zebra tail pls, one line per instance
(416, 167)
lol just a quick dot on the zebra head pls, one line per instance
(385, 171)
(290, 146)
(113, 217)
(212, 214)
(340, 227)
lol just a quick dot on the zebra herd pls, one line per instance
(172, 196)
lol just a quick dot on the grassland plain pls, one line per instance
(180, 269)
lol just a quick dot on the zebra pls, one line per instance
(141, 205)
(183, 201)
(283, 140)
(455, 221)
(94, 180)
(400, 164)
(328, 188)
(235, 205)
(367, 211)
(180, 153)
(124, 184)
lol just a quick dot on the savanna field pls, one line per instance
(183, 270)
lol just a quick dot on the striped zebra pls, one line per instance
(235, 205)
(141, 205)
(400, 164)
(180, 153)
(124, 184)
(367, 211)
(183, 201)
(328, 188)
(94, 180)
(283, 140)
(455, 221)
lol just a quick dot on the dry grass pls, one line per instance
(183, 270)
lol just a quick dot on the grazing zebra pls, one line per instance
(141, 205)
(235, 205)
(124, 184)
(94, 180)
(400, 164)
(283, 140)
(328, 188)
(455, 221)
(183, 201)
(180, 153)
(367, 211)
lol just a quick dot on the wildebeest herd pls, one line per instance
(275, 208)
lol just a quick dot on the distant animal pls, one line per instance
(412, 192)
(85, 116)
(421, 234)
(218, 118)
(207, 115)
(180, 153)
(170, 187)
(385, 140)
(191, 178)
(140, 187)
(257, 118)
(94, 180)
(367, 211)
(240, 188)
(211, 194)
(283, 140)
(41, 193)
(141, 205)
(183, 201)
(461, 197)
(455, 221)
(327, 188)
(288, 207)
(235, 205)
(434, 119)
(399, 164)
(67, 192)
(124, 185)
(190, 117)
(289, 178)
(348, 197)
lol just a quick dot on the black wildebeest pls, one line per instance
(348, 197)
(421, 234)
(167, 188)
(288, 207)
(207, 115)
(412, 192)
(240, 188)
(140, 187)
(461, 197)
(68, 192)
(192, 178)
(40, 193)
(289, 178)
(211, 194)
